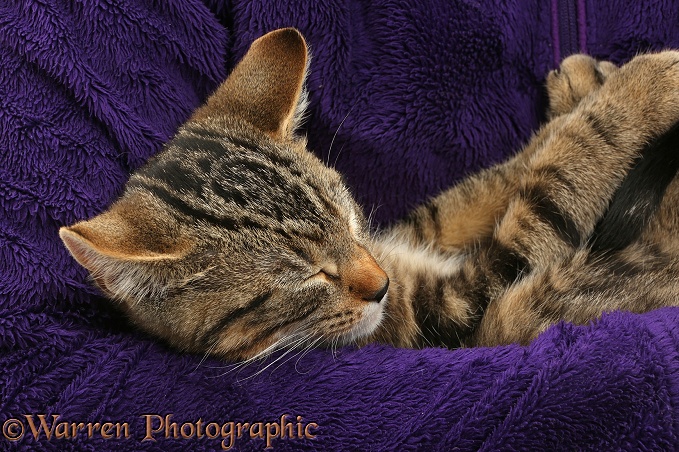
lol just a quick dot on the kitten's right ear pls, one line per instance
(266, 87)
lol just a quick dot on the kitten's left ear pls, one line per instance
(266, 87)
(126, 249)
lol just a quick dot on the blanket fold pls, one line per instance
(405, 99)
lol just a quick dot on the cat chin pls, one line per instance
(370, 319)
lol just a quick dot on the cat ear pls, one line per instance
(266, 87)
(121, 251)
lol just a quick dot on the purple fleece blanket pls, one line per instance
(406, 98)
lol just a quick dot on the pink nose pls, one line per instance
(365, 278)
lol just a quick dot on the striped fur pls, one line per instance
(528, 263)
(236, 241)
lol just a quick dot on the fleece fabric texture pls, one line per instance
(406, 99)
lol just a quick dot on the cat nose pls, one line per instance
(364, 277)
(379, 295)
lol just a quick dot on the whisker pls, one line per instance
(287, 352)
(262, 355)
(334, 344)
(334, 164)
(371, 215)
(207, 353)
(304, 353)
(327, 163)
(306, 349)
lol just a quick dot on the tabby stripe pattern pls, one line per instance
(212, 334)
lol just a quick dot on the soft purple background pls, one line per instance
(425, 92)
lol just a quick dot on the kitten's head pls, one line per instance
(235, 239)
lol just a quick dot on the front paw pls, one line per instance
(578, 76)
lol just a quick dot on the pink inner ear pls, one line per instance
(264, 88)
(121, 247)
(89, 257)
(82, 249)
(111, 237)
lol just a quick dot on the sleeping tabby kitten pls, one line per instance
(235, 240)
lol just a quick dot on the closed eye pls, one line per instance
(333, 276)
(325, 274)
(330, 270)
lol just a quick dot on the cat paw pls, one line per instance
(578, 76)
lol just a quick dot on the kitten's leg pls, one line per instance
(584, 157)
(571, 179)
(467, 213)
(575, 165)
(464, 214)
(638, 279)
